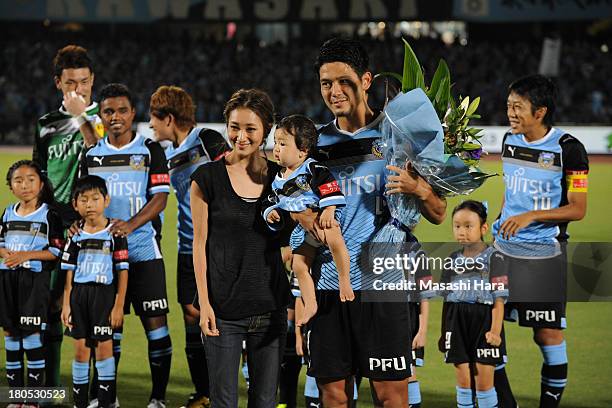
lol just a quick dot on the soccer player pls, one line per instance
(31, 239)
(94, 294)
(136, 173)
(545, 175)
(59, 140)
(173, 119)
(356, 336)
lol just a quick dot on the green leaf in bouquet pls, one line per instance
(473, 106)
(441, 73)
(412, 75)
(471, 146)
(470, 162)
(474, 116)
(442, 98)
(473, 132)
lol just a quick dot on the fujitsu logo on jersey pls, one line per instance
(17, 246)
(67, 147)
(541, 315)
(487, 352)
(94, 268)
(124, 188)
(384, 364)
(352, 184)
(516, 183)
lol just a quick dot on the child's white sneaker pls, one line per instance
(155, 403)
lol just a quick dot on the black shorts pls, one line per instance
(90, 306)
(465, 342)
(371, 339)
(146, 289)
(418, 354)
(537, 292)
(185, 280)
(538, 315)
(537, 280)
(24, 299)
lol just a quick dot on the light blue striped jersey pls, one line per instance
(356, 162)
(201, 146)
(133, 174)
(94, 257)
(535, 177)
(471, 276)
(38, 231)
(311, 185)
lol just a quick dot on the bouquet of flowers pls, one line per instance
(424, 126)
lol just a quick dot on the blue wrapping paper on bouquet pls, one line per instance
(411, 132)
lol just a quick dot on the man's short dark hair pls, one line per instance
(345, 50)
(71, 56)
(114, 91)
(89, 183)
(303, 131)
(538, 90)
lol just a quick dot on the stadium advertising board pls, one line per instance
(596, 139)
(226, 10)
(530, 10)
(303, 10)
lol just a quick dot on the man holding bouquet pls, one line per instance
(372, 338)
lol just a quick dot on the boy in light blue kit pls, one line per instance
(96, 265)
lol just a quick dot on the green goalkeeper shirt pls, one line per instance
(58, 144)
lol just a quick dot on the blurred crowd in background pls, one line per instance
(211, 69)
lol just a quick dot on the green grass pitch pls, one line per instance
(589, 335)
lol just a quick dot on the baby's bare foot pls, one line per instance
(346, 291)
